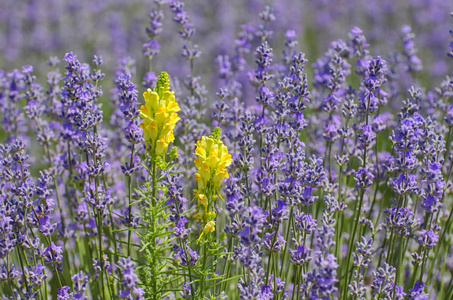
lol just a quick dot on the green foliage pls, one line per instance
(155, 236)
(155, 244)
(161, 273)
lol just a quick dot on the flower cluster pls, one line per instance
(331, 178)
(211, 162)
(159, 115)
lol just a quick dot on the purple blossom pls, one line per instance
(413, 63)
(363, 178)
(300, 255)
(427, 238)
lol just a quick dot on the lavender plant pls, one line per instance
(278, 175)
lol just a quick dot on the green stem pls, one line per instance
(295, 281)
(414, 275)
(287, 241)
(398, 264)
(129, 186)
(188, 268)
(227, 264)
(450, 290)
(99, 222)
(351, 242)
(425, 257)
(442, 276)
(203, 277)
(269, 263)
(390, 248)
(23, 271)
(154, 268)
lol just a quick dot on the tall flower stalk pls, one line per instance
(159, 114)
(211, 162)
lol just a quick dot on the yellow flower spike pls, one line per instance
(212, 160)
(208, 228)
(159, 115)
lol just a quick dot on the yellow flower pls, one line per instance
(202, 203)
(212, 160)
(209, 227)
(159, 115)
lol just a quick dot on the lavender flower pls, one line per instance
(413, 63)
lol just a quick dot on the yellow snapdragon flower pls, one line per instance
(209, 227)
(202, 203)
(211, 162)
(213, 158)
(159, 115)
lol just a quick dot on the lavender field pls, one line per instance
(235, 149)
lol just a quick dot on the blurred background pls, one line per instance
(34, 30)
